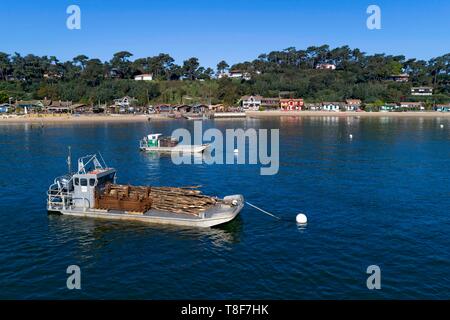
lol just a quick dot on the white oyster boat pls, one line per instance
(159, 143)
(92, 192)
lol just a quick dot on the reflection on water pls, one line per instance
(302, 227)
(92, 234)
(154, 157)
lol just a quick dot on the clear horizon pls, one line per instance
(234, 31)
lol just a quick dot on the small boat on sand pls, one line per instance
(159, 143)
(195, 116)
(92, 192)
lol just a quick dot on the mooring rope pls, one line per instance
(264, 211)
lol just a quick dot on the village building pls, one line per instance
(144, 77)
(291, 104)
(59, 107)
(125, 102)
(403, 77)
(422, 91)
(217, 108)
(312, 106)
(46, 102)
(164, 108)
(326, 66)
(199, 108)
(182, 108)
(411, 106)
(123, 105)
(221, 75)
(186, 108)
(5, 108)
(111, 109)
(352, 104)
(442, 108)
(235, 74)
(332, 106)
(28, 106)
(389, 107)
(52, 75)
(115, 73)
(270, 103)
(251, 103)
(80, 108)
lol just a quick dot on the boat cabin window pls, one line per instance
(77, 181)
(92, 182)
(83, 182)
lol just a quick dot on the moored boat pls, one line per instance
(196, 116)
(159, 143)
(92, 192)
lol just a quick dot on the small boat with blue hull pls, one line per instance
(92, 192)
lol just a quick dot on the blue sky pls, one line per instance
(234, 30)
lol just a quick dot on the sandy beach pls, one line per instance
(417, 114)
(64, 118)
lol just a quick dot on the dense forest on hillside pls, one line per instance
(357, 75)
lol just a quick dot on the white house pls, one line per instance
(422, 91)
(144, 77)
(331, 106)
(326, 66)
(235, 74)
(412, 106)
(125, 104)
(251, 103)
(223, 75)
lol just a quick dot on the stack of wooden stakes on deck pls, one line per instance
(185, 200)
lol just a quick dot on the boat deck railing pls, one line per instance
(60, 200)
(57, 198)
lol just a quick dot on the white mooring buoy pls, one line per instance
(350, 136)
(442, 126)
(301, 218)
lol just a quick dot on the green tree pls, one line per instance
(81, 61)
(121, 62)
(222, 66)
(191, 68)
(4, 97)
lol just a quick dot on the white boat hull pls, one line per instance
(180, 148)
(219, 214)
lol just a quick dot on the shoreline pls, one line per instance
(408, 114)
(80, 119)
(253, 114)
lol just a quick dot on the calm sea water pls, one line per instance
(382, 198)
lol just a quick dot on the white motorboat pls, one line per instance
(159, 143)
